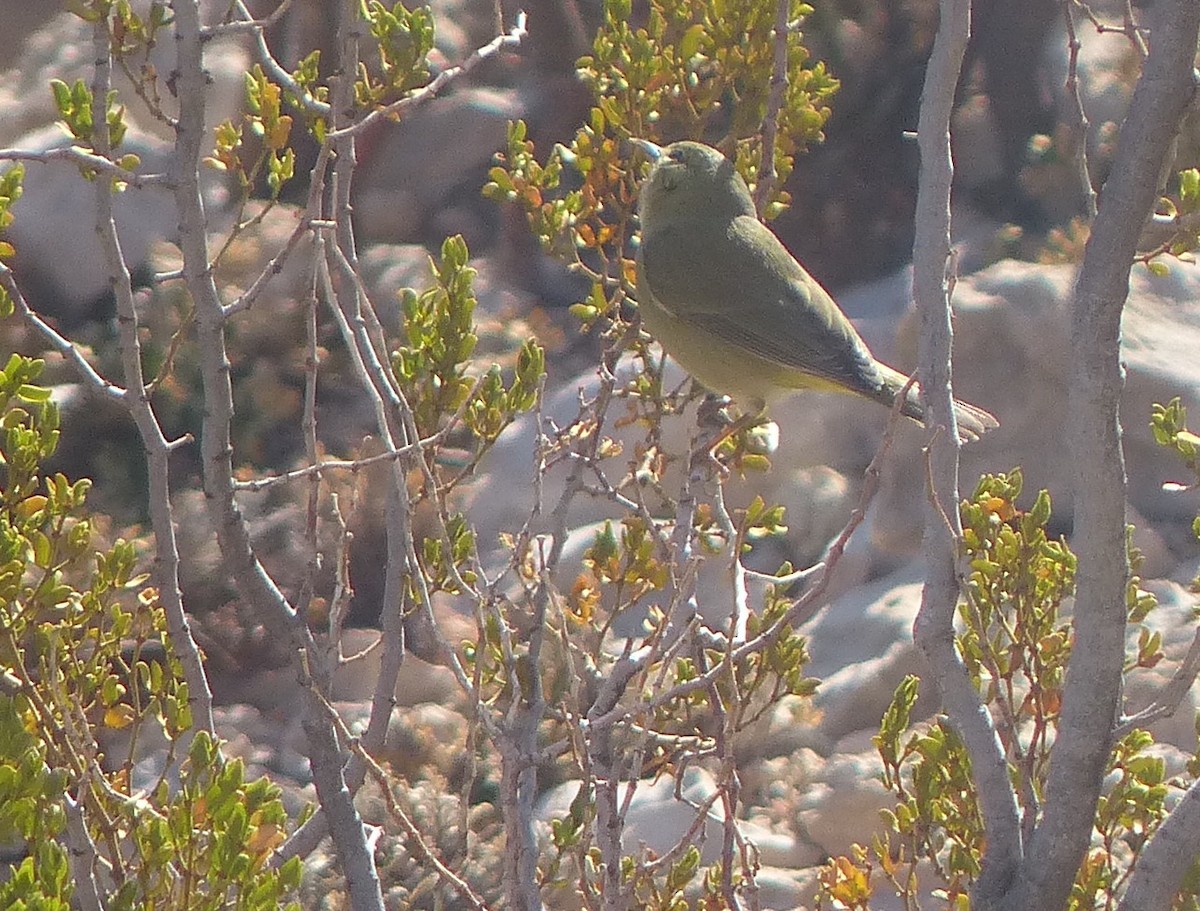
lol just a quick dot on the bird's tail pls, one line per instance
(973, 422)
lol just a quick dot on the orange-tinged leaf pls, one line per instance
(532, 196)
(1052, 701)
(887, 863)
(586, 598)
(264, 839)
(629, 268)
(849, 883)
(280, 132)
(658, 80)
(609, 448)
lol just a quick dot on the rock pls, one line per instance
(60, 263)
(790, 726)
(424, 740)
(657, 819)
(778, 889)
(862, 647)
(841, 805)
(420, 179)
(62, 49)
(1174, 619)
(418, 681)
(1012, 351)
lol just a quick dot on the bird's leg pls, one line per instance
(713, 414)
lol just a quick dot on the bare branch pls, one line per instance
(216, 446)
(933, 630)
(511, 40)
(316, 468)
(1081, 120)
(83, 855)
(1168, 701)
(71, 354)
(89, 161)
(606, 711)
(272, 66)
(775, 98)
(1167, 857)
(1128, 27)
(1093, 682)
(253, 582)
(137, 401)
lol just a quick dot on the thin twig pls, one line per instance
(317, 468)
(797, 613)
(775, 98)
(72, 355)
(274, 69)
(271, 270)
(1167, 702)
(412, 833)
(137, 402)
(1081, 121)
(89, 161)
(248, 23)
(511, 40)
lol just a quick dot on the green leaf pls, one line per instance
(689, 44)
(1189, 184)
(34, 394)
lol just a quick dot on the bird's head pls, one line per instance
(690, 180)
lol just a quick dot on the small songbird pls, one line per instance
(727, 300)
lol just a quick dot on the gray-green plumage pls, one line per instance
(727, 300)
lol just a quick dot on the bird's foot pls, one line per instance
(714, 414)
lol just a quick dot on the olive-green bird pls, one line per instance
(727, 300)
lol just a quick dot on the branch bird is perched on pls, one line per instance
(727, 300)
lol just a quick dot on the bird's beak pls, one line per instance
(652, 150)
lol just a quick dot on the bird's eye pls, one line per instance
(676, 155)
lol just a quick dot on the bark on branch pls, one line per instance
(1093, 683)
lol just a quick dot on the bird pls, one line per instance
(724, 297)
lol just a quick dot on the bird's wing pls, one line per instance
(756, 296)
